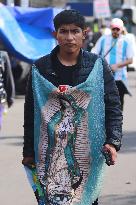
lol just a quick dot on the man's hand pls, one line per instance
(28, 161)
(113, 152)
(117, 66)
(114, 67)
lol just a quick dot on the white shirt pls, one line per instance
(121, 51)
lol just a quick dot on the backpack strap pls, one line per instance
(112, 46)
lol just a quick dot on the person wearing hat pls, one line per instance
(118, 53)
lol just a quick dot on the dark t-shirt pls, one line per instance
(66, 73)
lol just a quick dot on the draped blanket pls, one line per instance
(69, 131)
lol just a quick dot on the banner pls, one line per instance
(27, 32)
(101, 9)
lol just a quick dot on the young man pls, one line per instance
(72, 112)
(119, 53)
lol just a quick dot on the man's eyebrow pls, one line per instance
(70, 29)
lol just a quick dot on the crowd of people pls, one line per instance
(73, 110)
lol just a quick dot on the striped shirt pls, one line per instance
(121, 51)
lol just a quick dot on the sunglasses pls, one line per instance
(115, 29)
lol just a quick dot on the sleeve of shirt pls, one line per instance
(113, 113)
(28, 148)
(130, 49)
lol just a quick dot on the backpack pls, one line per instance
(3, 95)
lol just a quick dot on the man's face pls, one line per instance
(115, 32)
(70, 38)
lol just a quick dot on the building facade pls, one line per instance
(45, 3)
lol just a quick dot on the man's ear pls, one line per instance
(84, 33)
(54, 33)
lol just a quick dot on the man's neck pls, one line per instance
(68, 59)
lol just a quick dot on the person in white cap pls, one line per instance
(118, 53)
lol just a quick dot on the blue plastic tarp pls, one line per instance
(27, 32)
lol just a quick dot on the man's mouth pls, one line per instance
(70, 44)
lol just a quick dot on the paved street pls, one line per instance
(119, 186)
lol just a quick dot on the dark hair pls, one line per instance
(69, 17)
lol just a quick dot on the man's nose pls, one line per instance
(69, 35)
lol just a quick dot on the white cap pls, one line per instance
(117, 23)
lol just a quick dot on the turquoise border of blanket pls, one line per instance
(94, 85)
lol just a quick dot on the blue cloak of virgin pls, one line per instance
(69, 132)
